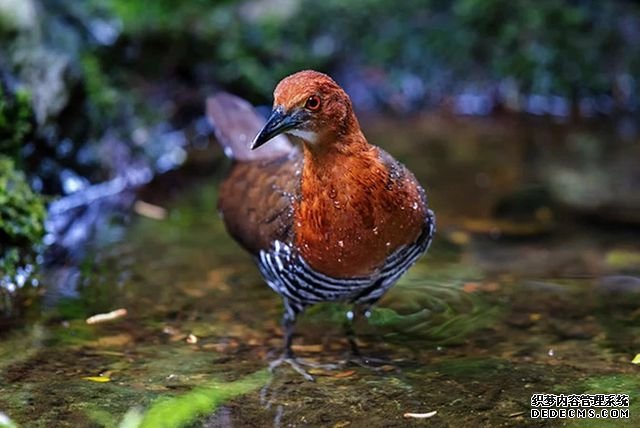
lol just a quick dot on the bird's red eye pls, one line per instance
(313, 103)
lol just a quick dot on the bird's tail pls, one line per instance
(236, 123)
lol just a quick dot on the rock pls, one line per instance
(619, 284)
(596, 176)
(573, 329)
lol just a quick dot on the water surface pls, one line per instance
(529, 287)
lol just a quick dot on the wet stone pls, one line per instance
(572, 329)
(619, 284)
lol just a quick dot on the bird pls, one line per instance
(327, 216)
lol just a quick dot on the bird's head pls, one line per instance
(310, 106)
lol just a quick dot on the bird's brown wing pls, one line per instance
(257, 200)
(236, 123)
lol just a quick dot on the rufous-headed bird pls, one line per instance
(333, 219)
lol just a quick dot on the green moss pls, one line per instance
(15, 121)
(22, 215)
(611, 384)
(22, 211)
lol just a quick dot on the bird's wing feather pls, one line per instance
(257, 199)
(236, 123)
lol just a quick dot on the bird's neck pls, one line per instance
(329, 148)
(345, 207)
(346, 164)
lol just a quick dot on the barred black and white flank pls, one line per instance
(300, 285)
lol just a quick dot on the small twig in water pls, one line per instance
(421, 415)
(151, 211)
(107, 317)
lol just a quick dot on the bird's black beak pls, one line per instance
(278, 123)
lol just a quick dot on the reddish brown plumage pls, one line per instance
(352, 215)
(339, 220)
(352, 205)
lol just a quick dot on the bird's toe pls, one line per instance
(371, 363)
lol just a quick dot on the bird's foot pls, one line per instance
(371, 363)
(297, 365)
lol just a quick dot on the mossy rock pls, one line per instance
(22, 215)
(15, 120)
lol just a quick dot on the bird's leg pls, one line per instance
(288, 324)
(355, 356)
(288, 356)
(350, 332)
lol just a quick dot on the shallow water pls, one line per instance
(524, 291)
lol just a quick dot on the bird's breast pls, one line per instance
(355, 212)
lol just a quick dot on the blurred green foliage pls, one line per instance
(15, 121)
(22, 215)
(568, 48)
(102, 96)
(171, 15)
(548, 45)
